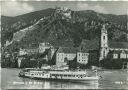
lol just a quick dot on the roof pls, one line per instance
(123, 45)
(90, 44)
(83, 51)
(67, 50)
(119, 51)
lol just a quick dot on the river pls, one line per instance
(111, 79)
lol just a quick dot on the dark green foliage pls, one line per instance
(113, 63)
(82, 25)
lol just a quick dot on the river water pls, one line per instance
(111, 79)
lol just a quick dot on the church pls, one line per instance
(117, 50)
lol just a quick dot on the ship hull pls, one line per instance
(63, 79)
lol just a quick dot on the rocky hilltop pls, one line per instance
(61, 27)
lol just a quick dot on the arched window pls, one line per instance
(104, 37)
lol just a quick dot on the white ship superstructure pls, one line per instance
(59, 75)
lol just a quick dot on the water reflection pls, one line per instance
(39, 84)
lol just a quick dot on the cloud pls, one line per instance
(96, 7)
(15, 8)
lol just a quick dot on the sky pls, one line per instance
(15, 8)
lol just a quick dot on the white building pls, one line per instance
(65, 54)
(82, 57)
(118, 54)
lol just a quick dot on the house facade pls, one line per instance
(119, 54)
(65, 54)
(82, 57)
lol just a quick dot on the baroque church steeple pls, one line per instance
(104, 43)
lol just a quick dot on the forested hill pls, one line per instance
(60, 27)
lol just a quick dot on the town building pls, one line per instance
(43, 46)
(91, 50)
(47, 49)
(65, 54)
(82, 57)
(118, 54)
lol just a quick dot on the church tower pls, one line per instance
(104, 43)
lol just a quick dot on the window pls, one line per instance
(73, 75)
(65, 75)
(104, 54)
(69, 75)
(104, 37)
(115, 56)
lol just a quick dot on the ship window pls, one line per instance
(69, 75)
(65, 75)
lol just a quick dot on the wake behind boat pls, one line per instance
(65, 75)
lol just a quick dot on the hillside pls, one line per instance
(54, 26)
(11, 25)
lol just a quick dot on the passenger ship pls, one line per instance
(58, 75)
